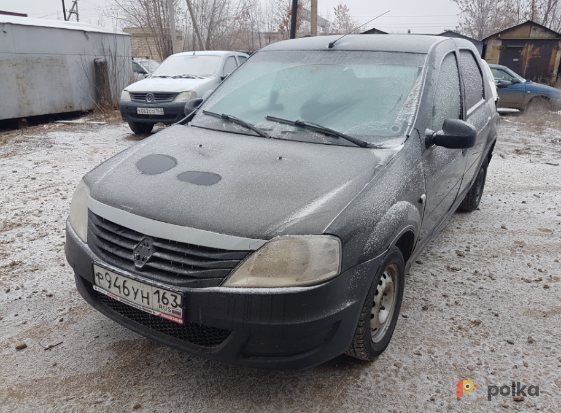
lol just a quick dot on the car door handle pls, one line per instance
(464, 151)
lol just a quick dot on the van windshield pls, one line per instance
(188, 65)
(369, 95)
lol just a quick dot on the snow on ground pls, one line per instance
(481, 304)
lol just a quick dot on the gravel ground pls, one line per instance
(481, 304)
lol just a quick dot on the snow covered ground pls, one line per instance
(481, 304)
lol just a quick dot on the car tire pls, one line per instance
(473, 197)
(380, 311)
(141, 128)
(537, 106)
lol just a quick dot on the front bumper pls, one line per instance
(268, 328)
(173, 112)
(556, 104)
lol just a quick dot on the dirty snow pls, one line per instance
(481, 304)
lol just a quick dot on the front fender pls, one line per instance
(400, 218)
(384, 207)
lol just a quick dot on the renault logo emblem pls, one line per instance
(142, 252)
(149, 98)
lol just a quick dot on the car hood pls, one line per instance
(267, 187)
(539, 88)
(167, 85)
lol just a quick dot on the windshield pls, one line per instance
(368, 95)
(188, 65)
(149, 65)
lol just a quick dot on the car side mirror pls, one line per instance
(224, 76)
(191, 106)
(455, 134)
(515, 80)
(502, 84)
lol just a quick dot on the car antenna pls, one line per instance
(336, 40)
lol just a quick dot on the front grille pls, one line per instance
(176, 260)
(189, 332)
(158, 97)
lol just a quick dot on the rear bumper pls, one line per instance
(173, 112)
(273, 328)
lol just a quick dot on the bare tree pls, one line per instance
(152, 16)
(343, 23)
(482, 18)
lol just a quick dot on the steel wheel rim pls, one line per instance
(383, 306)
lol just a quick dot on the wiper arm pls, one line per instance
(322, 129)
(243, 123)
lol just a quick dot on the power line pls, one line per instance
(426, 15)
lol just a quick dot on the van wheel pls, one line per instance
(141, 128)
(380, 310)
(473, 197)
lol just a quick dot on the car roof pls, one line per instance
(209, 53)
(405, 43)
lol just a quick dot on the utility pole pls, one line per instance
(293, 19)
(172, 33)
(192, 13)
(64, 10)
(74, 10)
(314, 17)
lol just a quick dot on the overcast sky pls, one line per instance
(421, 16)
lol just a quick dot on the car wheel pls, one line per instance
(380, 310)
(473, 197)
(141, 128)
(538, 105)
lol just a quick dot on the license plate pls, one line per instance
(153, 300)
(150, 111)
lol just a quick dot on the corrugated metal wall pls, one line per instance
(50, 69)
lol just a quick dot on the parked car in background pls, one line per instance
(274, 227)
(518, 93)
(141, 68)
(179, 79)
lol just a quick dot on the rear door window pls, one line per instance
(473, 79)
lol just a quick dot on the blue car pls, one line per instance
(518, 93)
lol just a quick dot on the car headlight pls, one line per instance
(79, 210)
(290, 261)
(125, 96)
(185, 96)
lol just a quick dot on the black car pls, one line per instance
(274, 227)
(515, 92)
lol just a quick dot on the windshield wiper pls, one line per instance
(322, 129)
(243, 123)
(162, 76)
(188, 76)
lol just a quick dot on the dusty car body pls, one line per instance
(280, 240)
(180, 78)
(515, 92)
